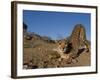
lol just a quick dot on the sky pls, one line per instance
(56, 24)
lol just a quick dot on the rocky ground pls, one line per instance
(43, 56)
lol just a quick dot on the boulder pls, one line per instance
(78, 40)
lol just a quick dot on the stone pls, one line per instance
(78, 39)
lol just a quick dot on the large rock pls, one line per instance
(78, 40)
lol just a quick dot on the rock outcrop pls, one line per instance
(78, 40)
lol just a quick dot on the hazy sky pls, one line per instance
(56, 24)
